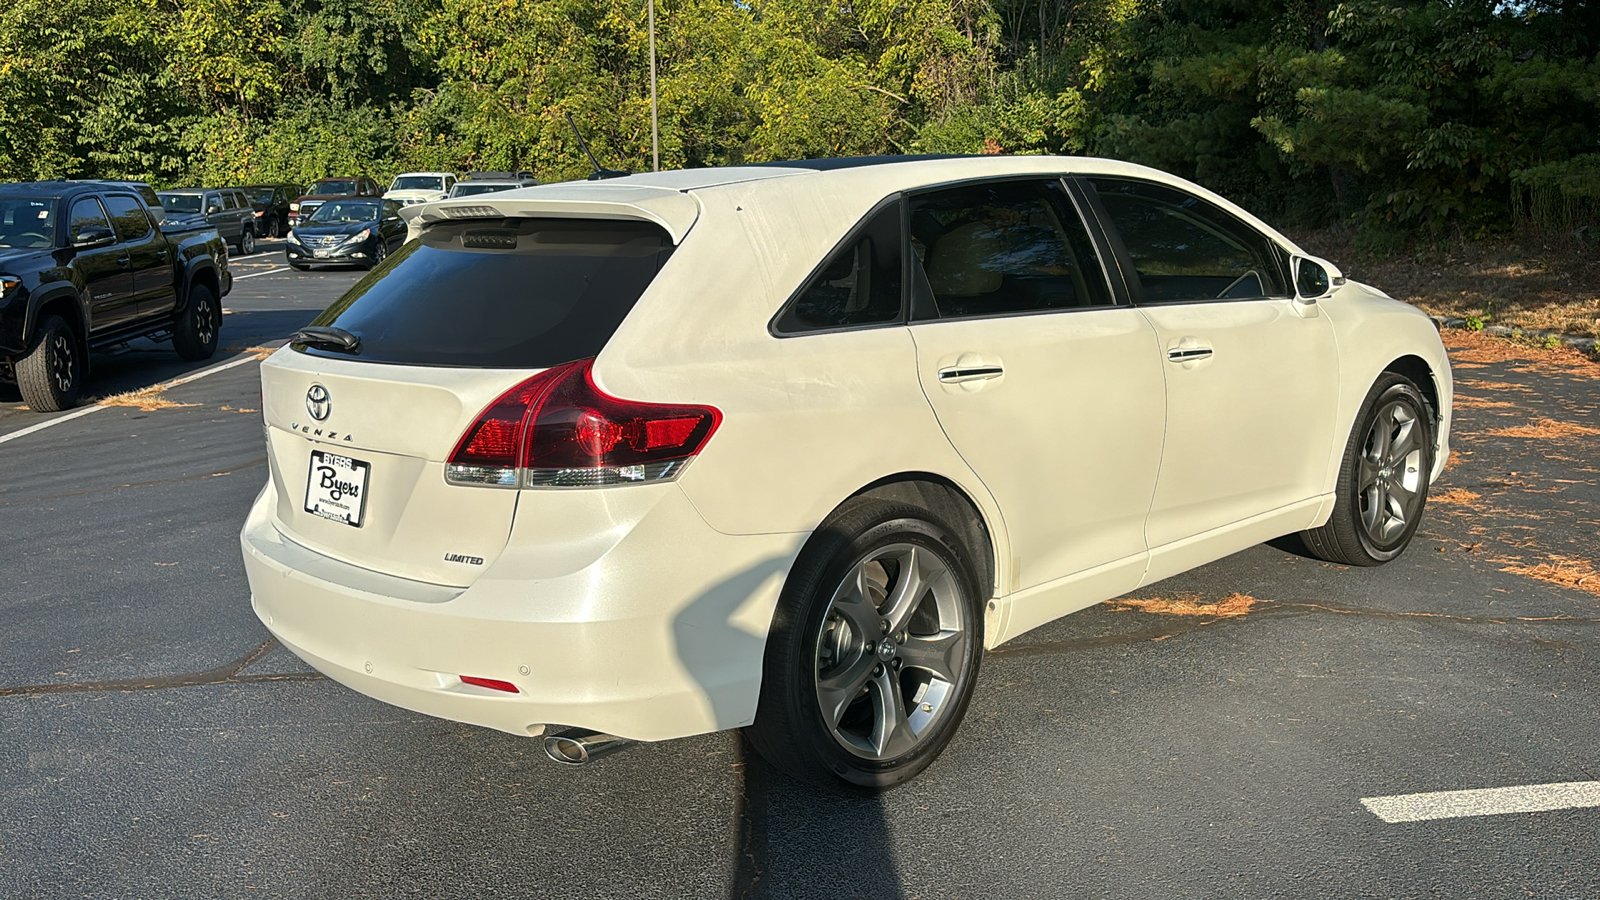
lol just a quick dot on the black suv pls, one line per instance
(86, 266)
(271, 202)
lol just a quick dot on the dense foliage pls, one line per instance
(1401, 116)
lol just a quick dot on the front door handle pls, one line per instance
(122, 261)
(963, 374)
(1187, 354)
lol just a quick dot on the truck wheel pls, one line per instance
(194, 334)
(50, 377)
(247, 242)
(873, 652)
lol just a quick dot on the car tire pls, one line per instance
(50, 377)
(247, 242)
(195, 332)
(843, 603)
(1383, 479)
(274, 228)
(380, 252)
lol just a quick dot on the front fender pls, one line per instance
(1373, 332)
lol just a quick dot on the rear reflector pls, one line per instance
(557, 429)
(490, 683)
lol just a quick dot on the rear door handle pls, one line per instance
(122, 261)
(1187, 354)
(961, 374)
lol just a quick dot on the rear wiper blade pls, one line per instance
(328, 337)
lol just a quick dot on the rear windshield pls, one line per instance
(511, 293)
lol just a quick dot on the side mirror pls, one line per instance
(92, 236)
(1314, 278)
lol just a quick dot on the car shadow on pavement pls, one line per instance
(793, 839)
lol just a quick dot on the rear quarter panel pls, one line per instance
(807, 421)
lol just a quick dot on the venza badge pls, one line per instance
(318, 403)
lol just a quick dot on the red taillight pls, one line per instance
(557, 429)
(490, 683)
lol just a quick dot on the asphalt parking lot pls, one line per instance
(1211, 736)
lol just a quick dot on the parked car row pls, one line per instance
(91, 265)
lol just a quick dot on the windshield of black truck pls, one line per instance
(502, 293)
(27, 223)
(180, 203)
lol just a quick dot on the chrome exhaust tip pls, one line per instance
(578, 747)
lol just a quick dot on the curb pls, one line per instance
(1585, 344)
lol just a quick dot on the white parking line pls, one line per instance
(1485, 802)
(254, 274)
(87, 410)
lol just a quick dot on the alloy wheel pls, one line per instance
(63, 363)
(204, 331)
(1389, 476)
(891, 651)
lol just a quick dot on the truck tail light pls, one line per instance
(557, 429)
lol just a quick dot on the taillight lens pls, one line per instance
(557, 429)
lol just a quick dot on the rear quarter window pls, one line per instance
(512, 293)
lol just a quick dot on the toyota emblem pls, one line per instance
(318, 402)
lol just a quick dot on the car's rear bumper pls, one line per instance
(660, 636)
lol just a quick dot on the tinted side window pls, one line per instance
(86, 213)
(511, 293)
(128, 217)
(1010, 247)
(858, 285)
(1184, 248)
(213, 203)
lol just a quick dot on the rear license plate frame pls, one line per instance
(328, 483)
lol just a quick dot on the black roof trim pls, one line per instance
(852, 162)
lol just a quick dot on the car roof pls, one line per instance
(56, 190)
(436, 174)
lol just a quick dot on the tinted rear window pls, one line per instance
(513, 293)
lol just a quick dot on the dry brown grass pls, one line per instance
(147, 399)
(260, 352)
(1566, 571)
(1228, 607)
(1462, 401)
(1552, 285)
(1457, 497)
(1473, 347)
(1544, 428)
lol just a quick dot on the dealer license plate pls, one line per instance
(337, 487)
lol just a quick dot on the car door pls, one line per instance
(218, 218)
(1047, 386)
(103, 263)
(1251, 374)
(149, 255)
(237, 206)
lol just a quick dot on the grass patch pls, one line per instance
(1228, 607)
(1544, 428)
(147, 399)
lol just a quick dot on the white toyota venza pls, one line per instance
(786, 447)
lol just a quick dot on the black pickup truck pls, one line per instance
(89, 266)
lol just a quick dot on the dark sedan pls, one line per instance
(271, 202)
(350, 231)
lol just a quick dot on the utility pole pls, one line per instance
(655, 129)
